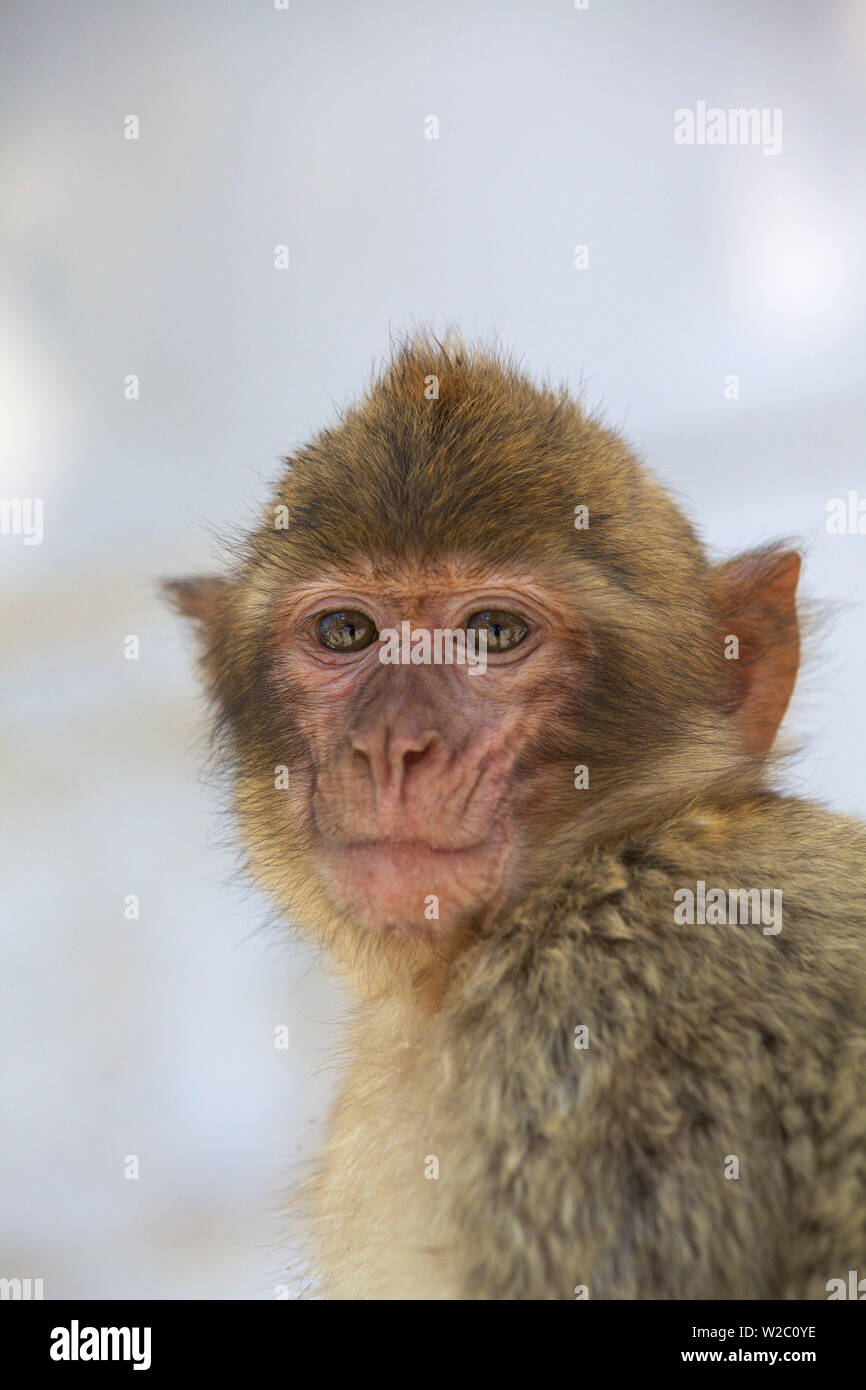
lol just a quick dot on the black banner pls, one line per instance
(162, 1338)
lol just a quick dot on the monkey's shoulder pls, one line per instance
(761, 911)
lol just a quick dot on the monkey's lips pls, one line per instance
(411, 885)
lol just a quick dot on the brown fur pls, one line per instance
(562, 1167)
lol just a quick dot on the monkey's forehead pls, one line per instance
(567, 547)
(410, 586)
(342, 510)
(491, 466)
(410, 574)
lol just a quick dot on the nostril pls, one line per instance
(412, 756)
(417, 749)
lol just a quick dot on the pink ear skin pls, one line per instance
(200, 598)
(754, 597)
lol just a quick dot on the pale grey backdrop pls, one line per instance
(155, 257)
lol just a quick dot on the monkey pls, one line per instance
(607, 1034)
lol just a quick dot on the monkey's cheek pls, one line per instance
(411, 888)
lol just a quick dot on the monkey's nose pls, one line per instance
(391, 758)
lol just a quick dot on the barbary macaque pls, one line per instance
(608, 1037)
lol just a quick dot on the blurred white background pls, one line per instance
(155, 257)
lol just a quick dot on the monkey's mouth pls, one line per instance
(408, 847)
(413, 884)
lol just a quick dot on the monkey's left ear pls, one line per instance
(754, 598)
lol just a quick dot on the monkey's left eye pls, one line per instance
(504, 630)
(346, 631)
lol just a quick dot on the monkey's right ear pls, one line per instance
(754, 596)
(200, 598)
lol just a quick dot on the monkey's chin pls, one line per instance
(411, 888)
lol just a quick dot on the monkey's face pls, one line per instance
(419, 706)
(393, 783)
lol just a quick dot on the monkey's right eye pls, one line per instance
(345, 631)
